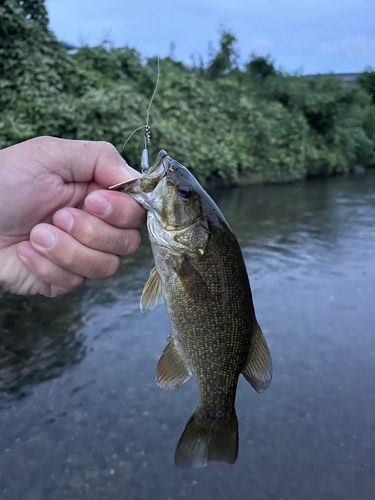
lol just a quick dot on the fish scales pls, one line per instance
(200, 272)
(216, 359)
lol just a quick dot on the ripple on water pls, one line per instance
(82, 417)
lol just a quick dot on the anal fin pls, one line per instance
(152, 294)
(172, 370)
(258, 368)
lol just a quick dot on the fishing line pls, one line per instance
(131, 135)
(144, 162)
(148, 137)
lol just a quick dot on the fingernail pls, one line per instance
(25, 251)
(64, 220)
(98, 204)
(44, 237)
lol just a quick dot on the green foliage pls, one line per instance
(260, 67)
(225, 60)
(230, 126)
(367, 81)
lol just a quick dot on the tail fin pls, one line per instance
(201, 443)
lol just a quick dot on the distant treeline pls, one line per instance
(228, 124)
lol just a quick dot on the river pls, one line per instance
(81, 415)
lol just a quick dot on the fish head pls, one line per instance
(176, 199)
(169, 190)
(176, 203)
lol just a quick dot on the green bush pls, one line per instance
(229, 125)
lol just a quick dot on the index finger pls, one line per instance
(117, 209)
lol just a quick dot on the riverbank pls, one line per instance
(229, 125)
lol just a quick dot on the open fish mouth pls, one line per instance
(142, 188)
(162, 164)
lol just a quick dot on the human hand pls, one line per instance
(57, 224)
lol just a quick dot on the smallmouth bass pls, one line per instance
(200, 272)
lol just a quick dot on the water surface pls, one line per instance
(82, 417)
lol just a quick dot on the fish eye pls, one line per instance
(184, 190)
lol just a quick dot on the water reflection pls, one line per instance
(301, 224)
(98, 426)
(39, 340)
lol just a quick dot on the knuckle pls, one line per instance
(76, 281)
(57, 275)
(70, 286)
(88, 235)
(69, 259)
(107, 147)
(121, 243)
(94, 239)
(107, 152)
(127, 242)
(136, 241)
(43, 268)
(131, 242)
(44, 140)
(67, 280)
(109, 266)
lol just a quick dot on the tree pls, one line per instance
(33, 63)
(22, 24)
(260, 67)
(367, 81)
(225, 60)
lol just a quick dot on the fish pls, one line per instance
(201, 275)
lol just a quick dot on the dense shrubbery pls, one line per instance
(227, 124)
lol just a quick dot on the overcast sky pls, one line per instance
(306, 35)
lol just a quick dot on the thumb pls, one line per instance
(82, 161)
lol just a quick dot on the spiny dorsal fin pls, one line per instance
(258, 368)
(172, 370)
(152, 294)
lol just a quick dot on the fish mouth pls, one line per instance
(122, 186)
(162, 159)
(142, 188)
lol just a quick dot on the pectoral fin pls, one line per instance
(172, 370)
(152, 294)
(258, 368)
